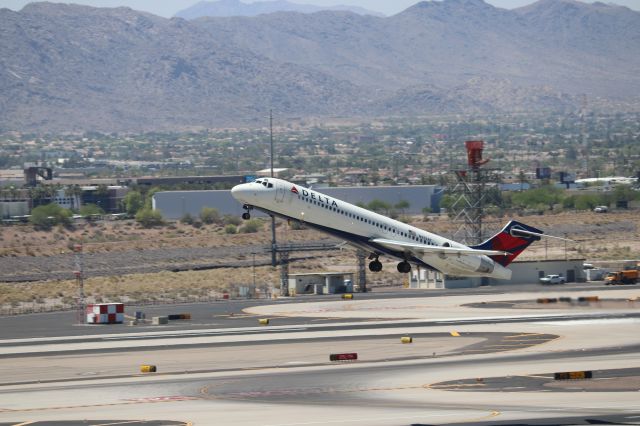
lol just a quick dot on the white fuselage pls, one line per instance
(359, 226)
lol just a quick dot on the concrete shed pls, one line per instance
(321, 283)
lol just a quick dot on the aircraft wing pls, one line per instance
(423, 248)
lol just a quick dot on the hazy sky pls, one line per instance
(168, 8)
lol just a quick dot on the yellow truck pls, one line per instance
(622, 277)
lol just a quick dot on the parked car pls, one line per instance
(601, 209)
(553, 279)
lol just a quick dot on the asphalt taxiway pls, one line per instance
(466, 365)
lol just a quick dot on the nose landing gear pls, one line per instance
(246, 215)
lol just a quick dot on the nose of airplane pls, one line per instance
(240, 192)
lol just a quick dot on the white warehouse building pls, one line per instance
(175, 204)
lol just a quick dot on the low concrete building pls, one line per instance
(321, 283)
(12, 208)
(530, 271)
(524, 272)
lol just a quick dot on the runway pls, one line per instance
(466, 365)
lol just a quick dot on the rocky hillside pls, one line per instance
(70, 68)
(224, 8)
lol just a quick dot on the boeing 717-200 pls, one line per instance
(380, 235)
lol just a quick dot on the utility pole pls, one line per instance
(254, 269)
(274, 246)
(79, 273)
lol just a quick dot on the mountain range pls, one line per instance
(225, 8)
(77, 68)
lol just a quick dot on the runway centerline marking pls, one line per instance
(209, 333)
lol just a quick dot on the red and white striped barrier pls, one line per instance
(105, 313)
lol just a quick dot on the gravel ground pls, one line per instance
(34, 268)
(597, 236)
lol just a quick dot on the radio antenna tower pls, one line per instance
(79, 273)
(473, 189)
(274, 244)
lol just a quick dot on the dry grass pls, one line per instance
(138, 287)
(592, 243)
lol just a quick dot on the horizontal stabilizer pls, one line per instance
(521, 232)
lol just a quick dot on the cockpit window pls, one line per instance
(264, 183)
(258, 181)
(270, 185)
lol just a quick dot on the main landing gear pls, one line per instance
(404, 267)
(246, 215)
(375, 265)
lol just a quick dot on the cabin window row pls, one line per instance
(420, 239)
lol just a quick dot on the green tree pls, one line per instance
(446, 202)
(45, 216)
(589, 201)
(91, 211)
(569, 202)
(402, 205)
(209, 215)
(133, 202)
(546, 195)
(149, 218)
(379, 206)
(624, 193)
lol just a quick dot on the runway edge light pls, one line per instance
(455, 333)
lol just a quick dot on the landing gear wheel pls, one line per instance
(375, 266)
(246, 215)
(404, 267)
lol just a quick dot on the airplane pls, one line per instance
(380, 235)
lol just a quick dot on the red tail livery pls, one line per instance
(514, 238)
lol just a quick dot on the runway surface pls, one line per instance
(486, 364)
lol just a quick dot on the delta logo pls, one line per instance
(316, 197)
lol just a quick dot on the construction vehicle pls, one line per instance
(630, 276)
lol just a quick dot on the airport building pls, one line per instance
(524, 272)
(321, 283)
(175, 204)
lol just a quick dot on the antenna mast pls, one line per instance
(274, 246)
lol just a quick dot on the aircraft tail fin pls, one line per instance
(514, 238)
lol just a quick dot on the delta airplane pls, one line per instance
(380, 235)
